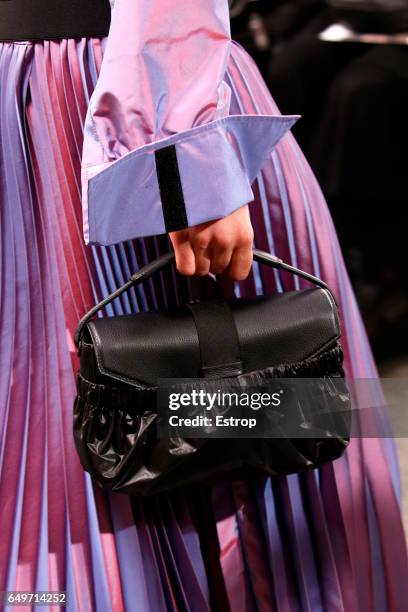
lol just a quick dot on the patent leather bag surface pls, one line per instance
(289, 335)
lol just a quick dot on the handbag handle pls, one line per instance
(161, 262)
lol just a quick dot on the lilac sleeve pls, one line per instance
(161, 150)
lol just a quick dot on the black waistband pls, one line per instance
(50, 19)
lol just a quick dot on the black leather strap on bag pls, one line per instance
(159, 263)
(216, 327)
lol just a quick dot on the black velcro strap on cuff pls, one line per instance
(171, 190)
(218, 338)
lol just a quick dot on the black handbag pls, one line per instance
(247, 342)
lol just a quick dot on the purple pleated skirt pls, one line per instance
(331, 540)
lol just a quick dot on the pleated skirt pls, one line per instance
(331, 540)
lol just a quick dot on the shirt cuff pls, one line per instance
(194, 176)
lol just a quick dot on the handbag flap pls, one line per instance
(141, 348)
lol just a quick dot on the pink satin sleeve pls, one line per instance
(162, 84)
(162, 73)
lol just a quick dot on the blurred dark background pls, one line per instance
(343, 65)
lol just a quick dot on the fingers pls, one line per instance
(241, 263)
(213, 252)
(202, 252)
(220, 260)
(185, 257)
(215, 246)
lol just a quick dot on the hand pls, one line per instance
(215, 246)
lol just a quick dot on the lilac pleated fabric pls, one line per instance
(331, 540)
